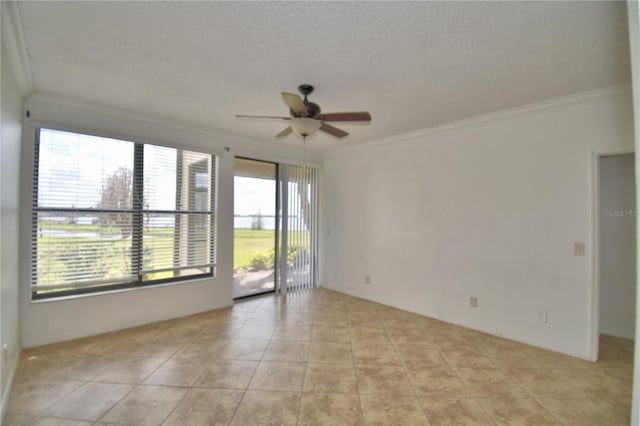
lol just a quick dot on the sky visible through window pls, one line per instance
(256, 196)
(253, 196)
(66, 182)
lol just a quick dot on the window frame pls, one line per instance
(137, 233)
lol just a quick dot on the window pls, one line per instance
(111, 214)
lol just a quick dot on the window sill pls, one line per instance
(121, 290)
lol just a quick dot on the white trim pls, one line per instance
(55, 299)
(13, 37)
(122, 113)
(497, 115)
(594, 238)
(122, 136)
(468, 326)
(99, 109)
(3, 392)
(137, 322)
(593, 324)
(36, 124)
(7, 390)
(633, 17)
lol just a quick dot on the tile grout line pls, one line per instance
(405, 369)
(512, 379)
(471, 394)
(406, 373)
(118, 402)
(355, 372)
(235, 412)
(464, 383)
(304, 377)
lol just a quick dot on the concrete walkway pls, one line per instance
(247, 283)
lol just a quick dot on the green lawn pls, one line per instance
(250, 242)
(110, 258)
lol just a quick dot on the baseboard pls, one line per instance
(7, 393)
(349, 292)
(30, 342)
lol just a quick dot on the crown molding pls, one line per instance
(249, 147)
(501, 114)
(13, 39)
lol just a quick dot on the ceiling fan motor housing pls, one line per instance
(312, 109)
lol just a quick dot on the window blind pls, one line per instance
(109, 213)
(299, 240)
(177, 213)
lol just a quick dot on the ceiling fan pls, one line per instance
(306, 118)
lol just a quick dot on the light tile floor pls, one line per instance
(316, 358)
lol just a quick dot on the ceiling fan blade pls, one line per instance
(295, 103)
(346, 116)
(333, 130)
(263, 116)
(284, 133)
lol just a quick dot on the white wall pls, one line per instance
(61, 319)
(489, 207)
(617, 246)
(9, 198)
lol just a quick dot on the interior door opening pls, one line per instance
(255, 234)
(617, 245)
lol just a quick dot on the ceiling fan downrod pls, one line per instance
(305, 89)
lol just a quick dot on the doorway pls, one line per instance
(617, 245)
(255, 234)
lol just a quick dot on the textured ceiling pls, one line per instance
(411, 64)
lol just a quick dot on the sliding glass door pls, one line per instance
(275, 228)
(255, 206)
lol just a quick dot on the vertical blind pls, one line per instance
(109, 213)
(299, 217)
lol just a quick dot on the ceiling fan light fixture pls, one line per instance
(305, 126)
(306, 117)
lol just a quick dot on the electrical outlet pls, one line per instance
(367, 279)
(5, 352)
(473, 302)
(579, 249)
(543, 317)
